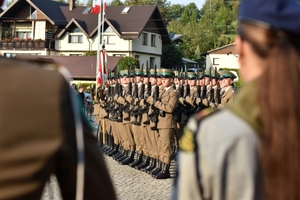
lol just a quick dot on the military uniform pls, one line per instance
(227, 93)
(166, 124)
(44, 140)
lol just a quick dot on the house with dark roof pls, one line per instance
(49, 28)
(223, 57)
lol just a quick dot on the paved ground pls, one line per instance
(134, 184)
(129, 183)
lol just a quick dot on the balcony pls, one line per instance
(28, 45)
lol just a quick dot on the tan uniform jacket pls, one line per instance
(38, 136)
(226, 97)
(168, 103)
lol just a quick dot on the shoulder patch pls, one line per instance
(187, 142)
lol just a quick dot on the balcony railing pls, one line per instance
(23, 45)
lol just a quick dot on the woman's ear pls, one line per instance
(239, 48)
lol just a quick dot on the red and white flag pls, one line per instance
(104, 6)
(101, 75)
(96, 9)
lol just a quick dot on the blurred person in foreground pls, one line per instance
(46, 134)
(251, 149)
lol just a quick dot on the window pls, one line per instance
(75, 39)
(125, 10)
(215, 61)
(145, 38)
(137, 57)
(24, 35)
(152, 63)
(119, 55)
(110, 39)
(153, 40)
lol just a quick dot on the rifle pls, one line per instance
(148, 94)
(155, 111)
(187, 107)
(136, 112)
(129, 92)
(179, 107)
(212, 90)
(218, 90)
(198, 96)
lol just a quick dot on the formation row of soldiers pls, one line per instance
(142, 113)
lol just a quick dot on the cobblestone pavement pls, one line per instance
(133, 184)
(129, 184)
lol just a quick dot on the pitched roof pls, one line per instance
(47, 7)
(80, 67)
(131, 24)
(128, 25)
(227, 49)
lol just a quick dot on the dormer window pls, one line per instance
(125, 10)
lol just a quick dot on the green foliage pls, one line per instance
(171, 57)
(175, 12)
(125, 61)
(90, 53)
(211, 27)
(116, 3)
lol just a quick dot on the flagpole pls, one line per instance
(98, 47)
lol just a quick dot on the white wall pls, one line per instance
(222, 61)
(64, 45)
(137, 44)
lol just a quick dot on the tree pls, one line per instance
(89, 3)
(175, 12)
(116, 3)
(125, 61)
(171, 57)
(162, 5)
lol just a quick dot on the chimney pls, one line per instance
(71, 5)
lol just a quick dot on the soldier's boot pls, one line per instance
(145, 163)
(149, 165)
(174, 153)
(120, 152)
(157, 169)
(143, 160)
(111, 145)
(125, 156)
(152, 166)
(129, 159)
(115, 150)
(121, 156)
(164, 173)
(108, 144)
(105, 146)
(137, 161)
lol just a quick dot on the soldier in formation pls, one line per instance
(142, 113)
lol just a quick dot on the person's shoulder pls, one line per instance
(214, 128)
(30, 63)
(225, 125)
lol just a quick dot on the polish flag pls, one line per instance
(104, 6)
(101, 75)
(96, 7)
